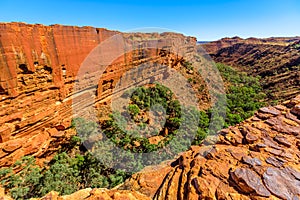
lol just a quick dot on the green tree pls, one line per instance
(22, 179)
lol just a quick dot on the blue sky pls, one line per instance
(205, 19)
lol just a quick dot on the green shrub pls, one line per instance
(244, 94)
(26, 182)
(133, 109)
(64, 174)
(188, 65)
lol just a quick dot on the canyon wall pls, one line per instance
(275, 60)
(39, 66)
(55, 46)
(214, 46)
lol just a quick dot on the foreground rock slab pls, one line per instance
(96, 194)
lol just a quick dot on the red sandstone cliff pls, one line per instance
(55, 46)
(38, 67)
(33, 59)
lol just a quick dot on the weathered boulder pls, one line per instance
(249, 182)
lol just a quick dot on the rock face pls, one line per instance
(257, 159)
(39, 66)
(276, 60)
(26, 46)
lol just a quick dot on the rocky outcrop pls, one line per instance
(96, 194)
(39, 67)
(275, 60)
(257, 159)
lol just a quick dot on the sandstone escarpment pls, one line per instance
(54, 46)
(214, 46)
(275, 60)
(39, 67)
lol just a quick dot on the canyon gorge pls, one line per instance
(42, 87)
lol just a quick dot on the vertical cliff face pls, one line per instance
(39, 66)
(59, 47)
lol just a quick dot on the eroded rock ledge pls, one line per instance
(257, 159)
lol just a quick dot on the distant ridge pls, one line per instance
(276, 60)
